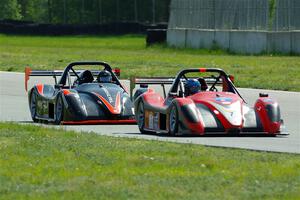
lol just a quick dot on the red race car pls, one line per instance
(202, 101)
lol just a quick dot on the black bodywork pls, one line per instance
(83, 100)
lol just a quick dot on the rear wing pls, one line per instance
(143, 81)
(57, 73)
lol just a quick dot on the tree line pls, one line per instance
(85, 11)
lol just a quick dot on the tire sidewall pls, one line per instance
(59, 118)
(173, 131)
(33, 115)
(141, 127)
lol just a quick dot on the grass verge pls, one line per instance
(46, 163)
(130, 54)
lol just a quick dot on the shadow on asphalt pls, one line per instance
(26, 122)
(210, 135)
(218, 135)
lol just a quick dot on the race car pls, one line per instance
(81, 96)
(201, 102)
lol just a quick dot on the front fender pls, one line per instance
(269, 113)
(75, 108)
(189, 118)
(43, 90)
(45, 95)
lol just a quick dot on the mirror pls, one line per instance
(231, 77)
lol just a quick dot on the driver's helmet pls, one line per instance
(192, 86)
(85, 77)
(104, 77)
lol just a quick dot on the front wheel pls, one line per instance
(173, 121)
(59, 110)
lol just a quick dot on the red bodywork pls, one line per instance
(197, 127)
(260, 107)
(153, 98)
(226, 109)
(209, 99)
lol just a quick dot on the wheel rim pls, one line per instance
(141, 116)
(59, 109)
(33, 105)
(173, 119)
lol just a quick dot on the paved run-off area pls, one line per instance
(14, 107)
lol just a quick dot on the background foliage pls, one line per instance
(85, 11)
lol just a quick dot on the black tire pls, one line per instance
(59, 110)
(33, 105)
(173, 121)
(140, 117)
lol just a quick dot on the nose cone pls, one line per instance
(116, 109)
(225, 105)
(232, 112)
(108, 95)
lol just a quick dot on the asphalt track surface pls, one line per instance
(14, 107)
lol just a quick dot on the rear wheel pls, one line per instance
(59, 110)
(141, 117)
(33, 105)
(173, 121)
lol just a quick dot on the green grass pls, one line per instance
(40, 163)
(134, 58)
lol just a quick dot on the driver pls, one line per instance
(104, 77)
(84, 77)
(192, 86)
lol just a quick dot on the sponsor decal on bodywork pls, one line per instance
(152, 120)
(110, 99)
(224, 100)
